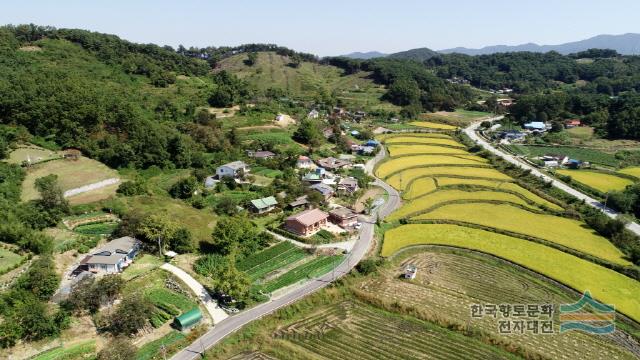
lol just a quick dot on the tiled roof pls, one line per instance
(309, 217)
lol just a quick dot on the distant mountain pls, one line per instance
(420, 54)
(626, 44)
(365, 55)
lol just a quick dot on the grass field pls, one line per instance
(460, 117)
(403, 178)
(602, 182)
(142, 265)
(584, 154)
(422, 140)
(268, 260)
(102, 228)
(79, 351)
(71, 174)
(432, 125)
(8, 259)
(261, 170)
(400, 150)
(445, 196)
(199, 222)
(309, 79)
(581, 132)
(566, 232)
(153, 349)
(633, 171)
(450, 281)
(605, 285)
(33, 153)
(398, 164)
(351, 330)
(315, 267)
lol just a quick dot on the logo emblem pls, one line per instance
(576, 316)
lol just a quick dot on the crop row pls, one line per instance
(318, 266)
(265, 255)
(278, 262)
(167, 299)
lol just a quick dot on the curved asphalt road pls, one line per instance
(471, 132)
(235, 322)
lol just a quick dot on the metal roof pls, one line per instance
(264, 202)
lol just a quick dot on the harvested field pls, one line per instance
(600, 181)
(401, 179)
(569, 233)
(400, 150)
(606, 285)
(401, 163)
(448, 282)
(71, 175)
(385, 137)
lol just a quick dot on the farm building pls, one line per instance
(343, 217)
(71, 154)
(513, 135)
(332, 163)
(188, 319)
(313, 114)
(304, 162)
(325, 190)
(210, 182)
(572, 123)
(410, 272)
(366, 150)
(260, 154)
(264, 205)
(312, 178)
(307, 222)
(114, 256)
(348, 185)
(372, 143)
(299, 202)
(535, 126)
(233, 169)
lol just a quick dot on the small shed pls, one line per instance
(188, 319)
(71, 154)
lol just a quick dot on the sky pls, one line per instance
(335, 27)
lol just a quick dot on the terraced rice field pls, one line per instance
(597, 180)
(9, 259)
(633, 171)
(605, 285)
(401, 163)
(423, 186)
(448, 283)
(400, 150)
(432, 125)
(562, 231)
(403, 178)
(354, 331)
(441, 197)
(385, 137)
(266, 261)
(422, 140)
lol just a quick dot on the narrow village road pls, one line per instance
(217, 314)
(235, 322)
(471, 132)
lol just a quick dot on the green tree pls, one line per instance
(158, 229)
(51, 194)
(130, 316)
(184, 188)
(309, 133)
(41, 278)
(181, 241)
(119, 348)
(232, 281)
(236, 233)
(252, 59)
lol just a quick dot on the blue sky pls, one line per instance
(333, 27)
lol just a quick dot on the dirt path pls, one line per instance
(371, 193)
(91, 187)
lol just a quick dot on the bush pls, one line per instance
(369, 266)
(132, 188)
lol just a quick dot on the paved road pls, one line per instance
(471, 132)
(361, 247)
(217, 314)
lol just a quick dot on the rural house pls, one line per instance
(307, 222)
(233, 169)
(264, 205)
(210, 182)
(572, 123)
(372, 143)
(299, 202)
(304, 162)
(72, 154)
(325, 190)
(343, 217)
(114, 256)
(332, 163)
(410, 272)
(535, 126)
(348, 185)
